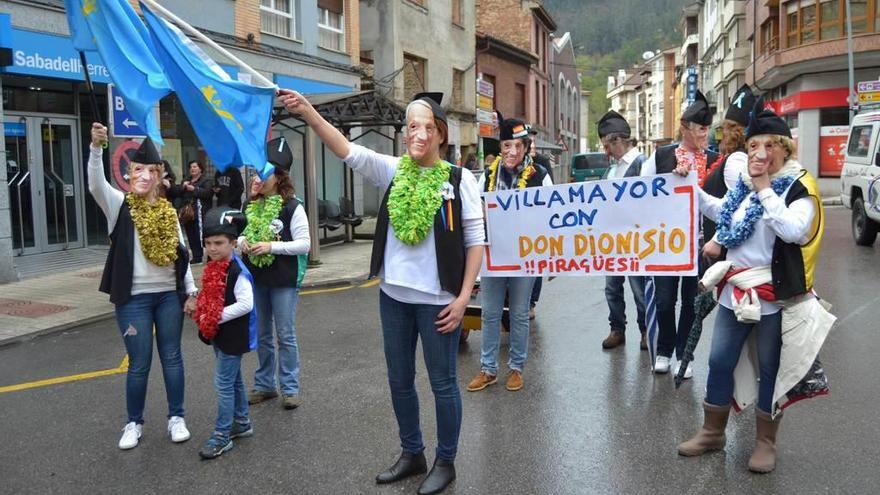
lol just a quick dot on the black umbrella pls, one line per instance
(703, 305)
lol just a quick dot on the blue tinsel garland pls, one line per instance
(731, 237)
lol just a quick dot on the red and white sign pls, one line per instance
(832, 149)
(803, 100)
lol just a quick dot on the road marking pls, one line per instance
(123, 366)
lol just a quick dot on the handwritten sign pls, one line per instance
(632, 226)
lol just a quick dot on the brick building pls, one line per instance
(800, 64)
(308, 45)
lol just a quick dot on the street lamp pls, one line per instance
(851, 97)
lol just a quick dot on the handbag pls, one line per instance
(186, 214)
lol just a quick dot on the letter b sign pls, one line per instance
(118, 103)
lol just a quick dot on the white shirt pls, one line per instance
(619, 167)
(244, 300)
(737, 164)
(409, 273)
(147, 278)
(790, 223)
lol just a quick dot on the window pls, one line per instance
(770, 36)
(457, 12)
(331, 25)
(859, 13)
(791, 24)
(457, 88)
(413, 75)
(519, 102)
(859, 140)
(877, 16)
(831, 19)
(808, 24)
(537, 118)
(276, 17)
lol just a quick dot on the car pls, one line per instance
(589, 166)
(860, 177)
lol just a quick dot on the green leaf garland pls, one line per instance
(260, 214)
(415, 198)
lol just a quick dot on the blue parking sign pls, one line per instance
(122, 124)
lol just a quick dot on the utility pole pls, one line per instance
(850, 94)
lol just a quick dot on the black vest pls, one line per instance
(448, 245)
(536, 180)
(284, 271)
(666, 162)
(233, 337)
(119, 267)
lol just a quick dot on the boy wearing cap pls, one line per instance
(227, 321)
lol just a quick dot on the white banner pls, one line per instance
(632, 226)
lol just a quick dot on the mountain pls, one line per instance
(613, 34)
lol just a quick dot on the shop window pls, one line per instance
(276, 17)
(834, 116)
(413, 75)
(331, 25)
(859, 140)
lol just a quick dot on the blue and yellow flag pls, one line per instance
(230, 118)
(113, 29)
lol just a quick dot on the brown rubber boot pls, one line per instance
(711, 435)
(763, 458)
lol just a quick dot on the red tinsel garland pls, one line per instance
(209, 305)
(712, 168)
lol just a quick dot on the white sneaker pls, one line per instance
(688, 373)
(177, 429)
(130, 436)
(661, 365)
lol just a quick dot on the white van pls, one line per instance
(860, 177)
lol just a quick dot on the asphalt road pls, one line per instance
(587, 421)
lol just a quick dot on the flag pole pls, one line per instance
(208, 41)
(93, 100)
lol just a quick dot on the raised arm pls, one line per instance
(106, 196)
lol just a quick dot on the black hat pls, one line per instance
(740, 105)
(224, 221)
(433, 99)
(765, 121)
(278, 153)
(613, 123)
(513, 129)
(147, 153)
(698, 112)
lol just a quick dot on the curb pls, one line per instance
(62, 327)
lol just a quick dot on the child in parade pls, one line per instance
(227, 320)
(148, 278)
(275, 245)
(428, 249)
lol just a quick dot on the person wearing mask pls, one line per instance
(626, 161)
(513, 169)
(427, 250)
(229, 188)
(689, 153)
(196, 196)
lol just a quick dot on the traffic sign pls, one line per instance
(869, 97)
(869, 86)
(485, 117)
(485, 88)
(485, 102)
(122, 124)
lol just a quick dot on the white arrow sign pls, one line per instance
(128, 123)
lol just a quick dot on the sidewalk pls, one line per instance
(60, 301)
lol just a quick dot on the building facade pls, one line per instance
(308, 45)
(800, 65)
(724, 52)
(565, 93)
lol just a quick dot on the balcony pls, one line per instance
(776, 68)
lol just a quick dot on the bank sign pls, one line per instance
(49, 55)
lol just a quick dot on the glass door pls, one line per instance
(44, 171)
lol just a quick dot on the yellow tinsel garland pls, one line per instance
(527, 172)
(156, 226)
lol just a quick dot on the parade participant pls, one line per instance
(626, 159)
(543, 161)
(275, 244)
(513, 169)
(427, 249)
(771, 223)
(725, 170)
(227, 320)
(691, 153)
(229, 187)
(196, 198)
(148, 278)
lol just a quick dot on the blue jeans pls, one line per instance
(136, 320)
(617, 304)
(536, 291)
(278, 304)
(232, 401)
(492, 292)
(671, 337)
(727, 343)
(402, 325)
